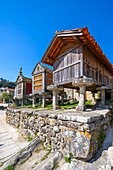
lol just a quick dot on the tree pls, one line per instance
(5, 97)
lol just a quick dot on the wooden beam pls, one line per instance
(55, 47)
(50, 58)
(66, 66)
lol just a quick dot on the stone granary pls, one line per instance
(23, 88)
(78, 63)
(41, 78)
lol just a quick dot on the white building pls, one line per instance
(6, 90)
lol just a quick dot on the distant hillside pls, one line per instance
(6, 83)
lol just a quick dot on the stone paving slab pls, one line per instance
(10, 143)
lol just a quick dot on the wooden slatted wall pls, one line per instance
(67, 67)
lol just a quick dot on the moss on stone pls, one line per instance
(101, 139)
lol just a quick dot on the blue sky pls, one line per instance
(27, 27)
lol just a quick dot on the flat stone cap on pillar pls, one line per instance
(103, 88)
(82, 81)
(43, 93)
(55, 88)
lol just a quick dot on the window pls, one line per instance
(19, 85)
(19, 91)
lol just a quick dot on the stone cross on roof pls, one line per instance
(20, 71)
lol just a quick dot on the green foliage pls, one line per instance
(46, 155)
(14, 105)
(49, 106)
(89, 103)
(10, 167)
(38, 149)
(5, 97)
(49, 148)
(29, 138)
(99, 94)
(6, 83)
(69, 105)
(101, 139)
(68, 158)
(36, 134)
(42, 143)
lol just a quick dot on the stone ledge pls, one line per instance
(83, 117)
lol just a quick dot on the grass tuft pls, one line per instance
(10, 167)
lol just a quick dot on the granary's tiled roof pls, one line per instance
(82, 36)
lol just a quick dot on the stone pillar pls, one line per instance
(111, 95)
(34, 101)
(81, 105)
(4, 100)
(22, 102)
(62, 99)
(102, 97)
(43, 100)
(93, 97)
(55, 100)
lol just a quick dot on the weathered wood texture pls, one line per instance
(41, 77)
(80, 62)
(67, 67)
(94, 69)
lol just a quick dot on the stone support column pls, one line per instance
(43, 100)
(55, 100)
(22, 102)
(81, 105)
(102, 97)
(111, 95)
(34, 101)
(93, 97)
(62, 99)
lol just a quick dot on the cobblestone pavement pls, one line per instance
(10, 142)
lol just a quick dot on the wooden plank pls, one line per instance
(67, 51)
(67, 66)
(37, 87)
(62, 72)
(49, 82)
(37, 82)
(44, 81)
(39, 76)
(49, 75)
(81, 62)
(51, 59)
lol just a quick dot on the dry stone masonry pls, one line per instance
(78, 133)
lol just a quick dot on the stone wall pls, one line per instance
(78, 133)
